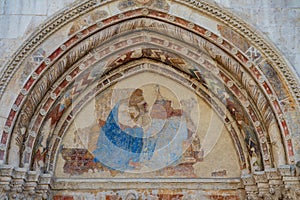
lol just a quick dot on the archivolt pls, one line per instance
(131, 69)
(100, 41)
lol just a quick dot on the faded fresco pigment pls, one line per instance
(148, 99)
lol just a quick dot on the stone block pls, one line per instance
(291, 179)
(285, 170)
(45, 179)
(275, 182)
(32, 176)
(7, 103)
(272, 174)
(56, 5)
(297, 30)
(262, 186)
(8, 46)
(2, 63)
(267, 17)
(251, 188)
(272, 4)
(13, 26)
(34, 23)
(26, 7)
(237, 3)
(248, 179)
(293, 16)
(292, 3)
(20, 173)
(113, 9)
(297, 63)
(2, 123)
(6, 170)
(2, 3)
(287, 38)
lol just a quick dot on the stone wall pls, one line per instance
(278, 20)
(86, 60)
(20, 18)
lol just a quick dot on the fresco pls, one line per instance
(144, 139)
(42, 147)
(235, 109)
(146, 124)
(122, 92)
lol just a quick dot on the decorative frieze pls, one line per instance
(20, 183)
(273, 184)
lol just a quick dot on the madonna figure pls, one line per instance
(150, 142)
(119, 146)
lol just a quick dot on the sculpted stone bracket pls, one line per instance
(19, 183)
(281, 183)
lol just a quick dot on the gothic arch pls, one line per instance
(89, 47)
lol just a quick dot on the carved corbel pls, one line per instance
(43, 187)
(275, 183)
(262, 184)
(17, 183)
(291, 182)
(250, 187)
(31, 184)
(6, 173)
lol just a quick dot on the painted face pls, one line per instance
(133, 112)
(143, 106)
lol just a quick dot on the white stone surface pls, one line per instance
(26, 7)
(6, 103)
(113, 9)
(297, 63)
(56, 5)
(19, 26)
(292, 3)
(14, 30)
(194, 17)
(8, 46)
(2, 2)
(278, 20)
(2, 123)
(13, 26)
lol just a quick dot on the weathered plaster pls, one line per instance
(224, 62)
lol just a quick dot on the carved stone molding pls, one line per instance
(261, 43)
(274, 184)
(58, 67)
(78, 9)
(243, 78)
(262, 103)
(20, 183)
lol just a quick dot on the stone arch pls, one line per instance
(248, 66)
